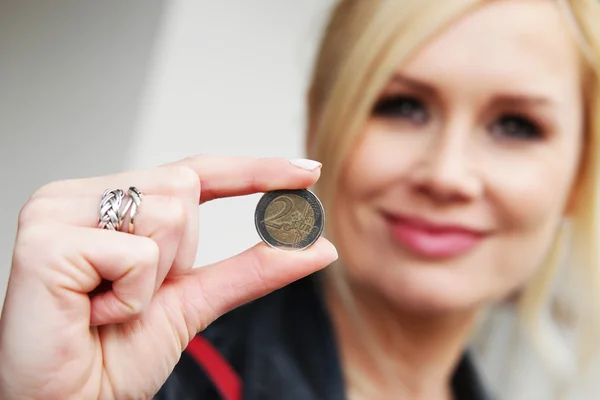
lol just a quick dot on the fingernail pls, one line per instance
(335, 252)
(309, 165)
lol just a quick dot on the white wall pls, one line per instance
(148, 81)
(229, 79)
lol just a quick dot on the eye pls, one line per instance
(401, 107)
(516, 127)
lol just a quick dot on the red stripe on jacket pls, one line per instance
(221, 373)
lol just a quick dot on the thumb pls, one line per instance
(208, 292)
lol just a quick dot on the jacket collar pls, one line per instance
(294, 365)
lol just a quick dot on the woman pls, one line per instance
(457, 138)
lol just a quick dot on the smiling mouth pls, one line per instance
(433, 240)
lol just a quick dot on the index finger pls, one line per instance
(216, 177)
(238, 176)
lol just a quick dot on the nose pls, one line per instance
(442, 172)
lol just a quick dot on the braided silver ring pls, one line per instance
(110, 209)
(112, 212)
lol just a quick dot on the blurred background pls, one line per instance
(91, 88)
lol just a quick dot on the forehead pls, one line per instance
(503, 42)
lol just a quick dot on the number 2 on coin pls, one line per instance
(272, 220)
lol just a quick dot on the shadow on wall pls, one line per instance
(72, 76)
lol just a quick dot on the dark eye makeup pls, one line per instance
(516, 126)
(508, 125)
(401, 107)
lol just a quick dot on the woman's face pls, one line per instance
(455, 191)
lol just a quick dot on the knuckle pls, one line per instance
(27, 213)
(30, 237)
(148, 253)
(134, 306)
(172, 216)
(185, 180)
(32, 243)
(36, 208)
(177, 212)
(194, 159)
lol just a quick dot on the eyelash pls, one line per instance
(510, 126)
(402, 107)
(516, 127)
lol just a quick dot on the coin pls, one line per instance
(289, 219)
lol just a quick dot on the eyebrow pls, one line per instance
(505, 99)
(414, 84)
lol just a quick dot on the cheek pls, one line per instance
(528, 199)
(529, 195)
(380, 160)
(373, 165)
(370, 172)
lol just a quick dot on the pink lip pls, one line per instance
(433, 240)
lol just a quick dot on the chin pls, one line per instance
(430, 290)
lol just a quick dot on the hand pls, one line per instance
(57, 341)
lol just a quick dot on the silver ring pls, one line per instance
(110, 209)
(133, 203)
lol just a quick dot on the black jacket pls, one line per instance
(283, 348)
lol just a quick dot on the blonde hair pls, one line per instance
(364, 42)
